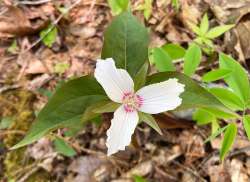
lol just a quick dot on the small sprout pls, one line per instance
(60, 68)
(205, 35)
(146, 8)
(49, 35)
(13, 47)
(118, 6)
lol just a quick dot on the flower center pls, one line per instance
(131, 101)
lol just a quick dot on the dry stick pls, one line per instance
(28, 174)
(194, 173)
(6, 88)
(7, 132)
(37, 2)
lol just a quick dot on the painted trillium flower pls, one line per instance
(119, 87)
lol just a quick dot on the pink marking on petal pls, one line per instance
(128, 109)
(139, 100)
(131, 101)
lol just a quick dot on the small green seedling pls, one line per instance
(205, 36)
(146, 8)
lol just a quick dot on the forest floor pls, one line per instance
(30, 72)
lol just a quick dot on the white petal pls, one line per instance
(114, 81)
(161, 97)
(122, 127)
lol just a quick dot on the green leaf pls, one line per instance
(175, 4)
(49, 35)
(203, 117)
(194, 95)
(126, 41)
(215, 75)
(118, 6)
(63, 10)
(6, 122)
(214, 126)
(238, 79)
(199, 40)
(106, 108)
(147, 118)
(175, 51)
(246, 123)
(65, 108)
(195, 29)
(208, 42)
(63, 148)
(192, 59)
(217, 31)
(162, 60)
(89, 114)
(139, 179)
(60, 68)
(148, 9)
(215, 134)
(228, 98)
(140, 77)
(222, 114)
(228, 140)
(45, 92)
(204, 24)
(13, 47)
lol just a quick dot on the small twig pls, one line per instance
(96, 3)
(19, 172)
(190, 171)
(7, 132)
(239, 151)
(37, 2)
(6, 88)
(216, 153)
(28, 174)
(163, 173)
(91, 7)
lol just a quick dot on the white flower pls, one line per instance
(119, 87)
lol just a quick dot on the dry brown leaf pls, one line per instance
(15, 22)
(36, 67)
(83, 168)
(237, 171)
(190, 13)
(218, 173)
(170, 122)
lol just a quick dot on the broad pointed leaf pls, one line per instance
(65, 108)
(217, 31)
(162, 60)
(246, 123)
(238, 79)
(215, 75)
(228, 140)
(175, 51)
(147, 118)
(215, 134)
(192, 59)
(204, 24)
(126, 41)
(227, 97)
